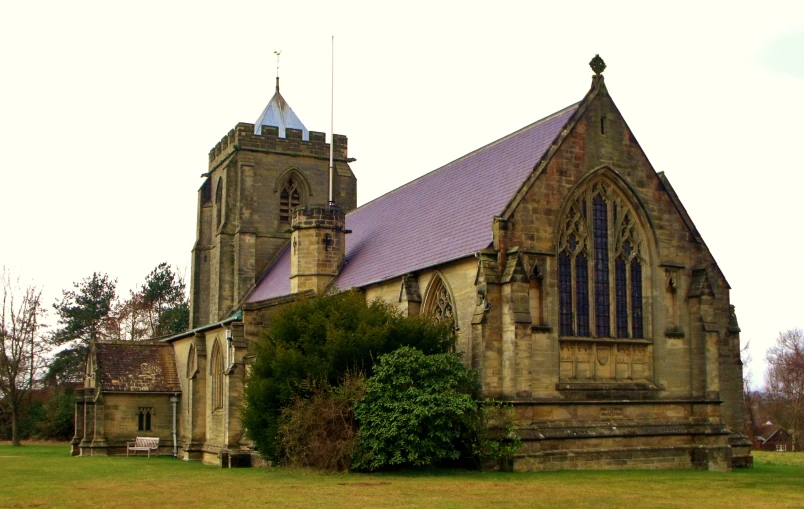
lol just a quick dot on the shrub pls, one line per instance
(319, 431)
(418, 410)
(322, 339)
(57, 420)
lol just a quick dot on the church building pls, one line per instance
(578, 285)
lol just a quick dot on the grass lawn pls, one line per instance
(46, 476)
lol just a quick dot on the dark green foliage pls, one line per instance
(67, 365)
(83, 311)
(322, 339)
(47, 415)
(57, 419)
(164, 295)
(30, 413)
(84, 314)
(418, 411)
(319, 431)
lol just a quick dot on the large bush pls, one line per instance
(318, 431)
(321, 339)
(419, 410)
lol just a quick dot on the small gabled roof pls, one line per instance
(278, 113)
(444, 215)
(137, 366)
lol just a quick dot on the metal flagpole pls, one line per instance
(332, 126)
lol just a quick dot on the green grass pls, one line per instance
(45, 476)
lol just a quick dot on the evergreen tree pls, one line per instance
(85, 314)
(163, 296)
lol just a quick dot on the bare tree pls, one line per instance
(22, 348)
(785, 381)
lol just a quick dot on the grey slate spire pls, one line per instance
(279, 113)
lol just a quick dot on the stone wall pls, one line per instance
(459, 277)
(237, 238)
(106, 423)
(687, 359)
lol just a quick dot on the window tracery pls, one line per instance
(439, 303)
(289, 199)
(605, 245)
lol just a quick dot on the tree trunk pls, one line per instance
(15, 429)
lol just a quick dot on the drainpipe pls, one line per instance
(173, 400)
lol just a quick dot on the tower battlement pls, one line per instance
(242, 137)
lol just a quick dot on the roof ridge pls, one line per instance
(124, 342)
(476, 151)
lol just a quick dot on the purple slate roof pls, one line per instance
(441, 216)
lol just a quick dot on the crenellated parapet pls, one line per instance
(242, 137)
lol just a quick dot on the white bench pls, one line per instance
(143, 444)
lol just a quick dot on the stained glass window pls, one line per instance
(565, 294)
(636, 298)
(592, 251)
(582, 294)
(621, 293)
(600, 232)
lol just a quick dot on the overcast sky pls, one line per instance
(108, 111)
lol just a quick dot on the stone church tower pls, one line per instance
(258, 174)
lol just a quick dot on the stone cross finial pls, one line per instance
(597, 64)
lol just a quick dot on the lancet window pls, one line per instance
(219, 201)
(191, 362)
(600, 260)
(439, 303)
(216, 377)
(289, 199)
(144, 418)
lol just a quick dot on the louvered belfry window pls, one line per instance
(289, 199)
(606, 247)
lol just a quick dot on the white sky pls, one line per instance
(108, 111)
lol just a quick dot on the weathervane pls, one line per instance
(277, 53)
(597, 64)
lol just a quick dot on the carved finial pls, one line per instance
(277, 53)
(597, 64)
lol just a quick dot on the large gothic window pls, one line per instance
(438, 302)
(600, 259)
(216, 377)
(289, 199)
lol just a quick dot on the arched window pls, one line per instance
(144, 418)
(219, 201)
(289, 199)
(599, 238)
(216, 376)
(438, 302)
(191, 362)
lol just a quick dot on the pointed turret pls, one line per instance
(278, 113)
